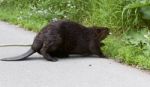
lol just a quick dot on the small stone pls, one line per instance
(90, 65)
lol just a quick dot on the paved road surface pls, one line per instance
(71, 72)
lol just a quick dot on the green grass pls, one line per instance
(128, 20)
(119, 50)
(14, 16)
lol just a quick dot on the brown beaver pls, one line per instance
(61, 38)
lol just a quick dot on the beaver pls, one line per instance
(62, 38)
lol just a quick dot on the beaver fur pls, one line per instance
(62, 38)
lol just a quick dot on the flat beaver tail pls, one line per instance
(21, 57)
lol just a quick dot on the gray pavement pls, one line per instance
(68, 72)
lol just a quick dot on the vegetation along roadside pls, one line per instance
(129, 21)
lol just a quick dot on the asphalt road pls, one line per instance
(68, 72)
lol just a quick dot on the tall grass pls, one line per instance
(116, 14)
(132, 14)
(44, 11)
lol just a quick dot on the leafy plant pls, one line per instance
(140, 40)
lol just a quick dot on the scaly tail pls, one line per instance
(21, 57)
